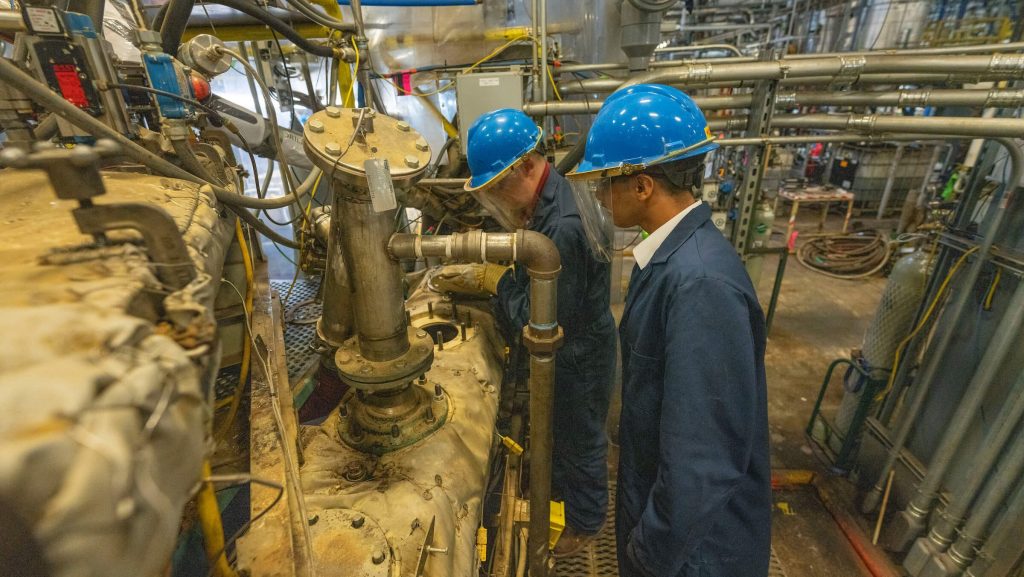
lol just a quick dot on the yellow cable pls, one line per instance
(924, 320)
(243, 375)
(212, 526)
(350, 100)
(554, 86)
(992, 289)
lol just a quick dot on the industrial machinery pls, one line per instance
(173, 405)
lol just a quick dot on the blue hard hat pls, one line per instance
(641, 126)
(497, 140)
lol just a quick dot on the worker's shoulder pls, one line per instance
(707, 258)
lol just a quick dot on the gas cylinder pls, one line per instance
(760, 231)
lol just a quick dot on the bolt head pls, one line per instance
(421, 334)
(378, 556)
(358, 521)
(422, 145)
(315, 126)
(403, 126)
(333, 111)
(412, 162)
(333, 148)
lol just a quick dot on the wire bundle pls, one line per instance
(846, 256)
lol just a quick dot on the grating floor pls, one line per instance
(301, 311)
(599, 559)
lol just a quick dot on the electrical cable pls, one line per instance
(845, 256)
(245, 526)
(217, 118)
(276, 24)
(321, 18)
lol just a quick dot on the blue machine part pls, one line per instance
(163, 76)
(79, 24)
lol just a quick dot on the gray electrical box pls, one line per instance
(478, 93)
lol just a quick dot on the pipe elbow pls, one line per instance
(539, 254)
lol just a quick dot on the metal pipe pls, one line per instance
(936, 353)
(374, 278)
(446, 182)
(990, 127)
(897, 98)
(961, 553)
(851, 67)
(542, 337)
(913, 519)
(11, 21)
(543, 38)
(883, 204)
(1005, 535)
(944, 530)
(337, 319)
(698, 48)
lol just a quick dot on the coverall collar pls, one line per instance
(682, 232)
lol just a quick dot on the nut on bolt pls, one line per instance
(333, 111)
(403, 126)
(358, 521)
(333, 148)
(378, 556)
(422, 145)
(316, 126)
(412, 162)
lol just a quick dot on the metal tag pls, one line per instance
(382, 190)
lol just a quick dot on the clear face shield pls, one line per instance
(594, 203)
(503, 201)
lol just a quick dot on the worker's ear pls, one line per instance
(643, 187)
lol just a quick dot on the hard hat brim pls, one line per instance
(591, 172)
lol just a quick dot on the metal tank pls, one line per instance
(892, 322)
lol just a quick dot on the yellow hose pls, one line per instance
(213, 528)
(243, 375)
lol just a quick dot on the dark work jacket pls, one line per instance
(694, 493)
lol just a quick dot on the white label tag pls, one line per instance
(43, 20)
(490, 82)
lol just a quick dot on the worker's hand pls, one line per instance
(479, 280)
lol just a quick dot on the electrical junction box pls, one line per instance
(478, 93)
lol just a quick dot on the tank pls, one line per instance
(893, 321)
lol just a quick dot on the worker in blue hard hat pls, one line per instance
(694, 495)
(519, 188)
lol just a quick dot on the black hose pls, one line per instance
(575, 154)
(173, 25)
(277, 25)
(263, 228)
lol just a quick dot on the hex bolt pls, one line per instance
(333, 111)
(422, 146)
(378, 557)
(438, 391)
(333, 148)
(423, 379)
(411, 161)
(395, 431)
(358, 521)
(316, 126)
(313, 519)
(430, 414)
(403, 126)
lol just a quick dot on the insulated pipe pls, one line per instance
(542, 337)
(913, 519)
(337, 319)
(954, 311)
(838, 67)
(413, 3)
(944, 530)
(698, 48)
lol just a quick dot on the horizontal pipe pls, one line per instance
(605, 85)
(698, 48)
(869, 123)
(11, 21)
(900, 98)
(446, 182)
(413, 3)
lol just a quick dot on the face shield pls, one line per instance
(594, 203)
(502, 200)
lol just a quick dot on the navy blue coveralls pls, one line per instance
(584, 363)
(694, 484)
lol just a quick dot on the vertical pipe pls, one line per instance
(890, 181)
(335, 324)
(543, 7)
(1005, 535)
(953, 314)
(375, 279)
(542, 376)
(538, 96)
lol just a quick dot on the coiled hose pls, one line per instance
(846, 256)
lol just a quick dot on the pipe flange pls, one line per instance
(361, 373)
(378, 425)
(542, 344)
